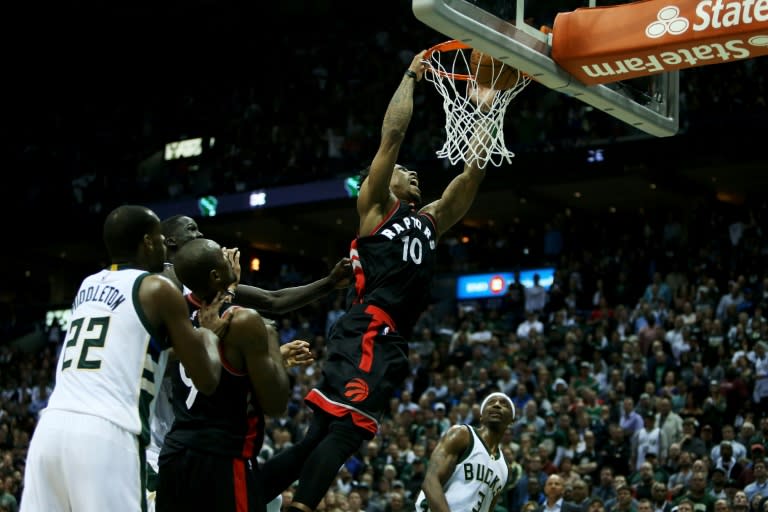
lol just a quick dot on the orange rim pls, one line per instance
(447, 46)
(451, 46)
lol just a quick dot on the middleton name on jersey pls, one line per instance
(109, 295)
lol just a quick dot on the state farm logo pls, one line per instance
(668, 21)
(708, 15)
(665, 36)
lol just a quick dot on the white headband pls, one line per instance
(499, 394)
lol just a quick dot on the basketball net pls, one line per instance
(474, 116)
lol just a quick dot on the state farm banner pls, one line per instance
(606, 44)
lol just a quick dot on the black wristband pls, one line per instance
(410, 74)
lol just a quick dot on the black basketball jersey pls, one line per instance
(394, 265)
(229, 422)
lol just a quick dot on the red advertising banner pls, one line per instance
(607, 44)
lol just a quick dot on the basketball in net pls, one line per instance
(491, 72)
(476, 92)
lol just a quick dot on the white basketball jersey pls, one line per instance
(162, 419)
(161, 423)
(477, 479)
(110, 365)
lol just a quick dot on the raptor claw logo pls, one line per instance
(356, 390)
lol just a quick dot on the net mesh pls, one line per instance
(474, 114)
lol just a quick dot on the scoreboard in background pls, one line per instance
(188, 148)
(483, 286)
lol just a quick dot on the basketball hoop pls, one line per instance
(474, 113)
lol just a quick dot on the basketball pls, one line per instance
(491, 72)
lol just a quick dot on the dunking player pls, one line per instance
(467, 469)
(180, 229)
(96, 422)
(206, 459)
(393, 259)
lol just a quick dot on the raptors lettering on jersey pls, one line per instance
(407, 223)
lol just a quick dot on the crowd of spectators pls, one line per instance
(641, 373)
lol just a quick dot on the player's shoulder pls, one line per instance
(243, 315)
(160, 280)
(431, 211)
(458, 436)
(246, 326)
(149, 283)
(160, 286)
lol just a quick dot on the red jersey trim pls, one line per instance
(340, 410)
(224, 363)
(386, 218)
(240, 485)
(432, 220)
(250, 437)
(379, 318)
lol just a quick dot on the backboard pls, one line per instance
(650, 104)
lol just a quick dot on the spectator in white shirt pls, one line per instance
(688, 315)
(531, 323)
(669, 421)
(675, 337)
(535, 296)
(739, 451)
(481, 335)
(727, 462)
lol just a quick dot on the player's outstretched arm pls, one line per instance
(460, 193)
(442, 462)
(375, 198)
(457, 198)
(289, 299)
(197, 349)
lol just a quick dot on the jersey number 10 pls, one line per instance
(412, 248)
